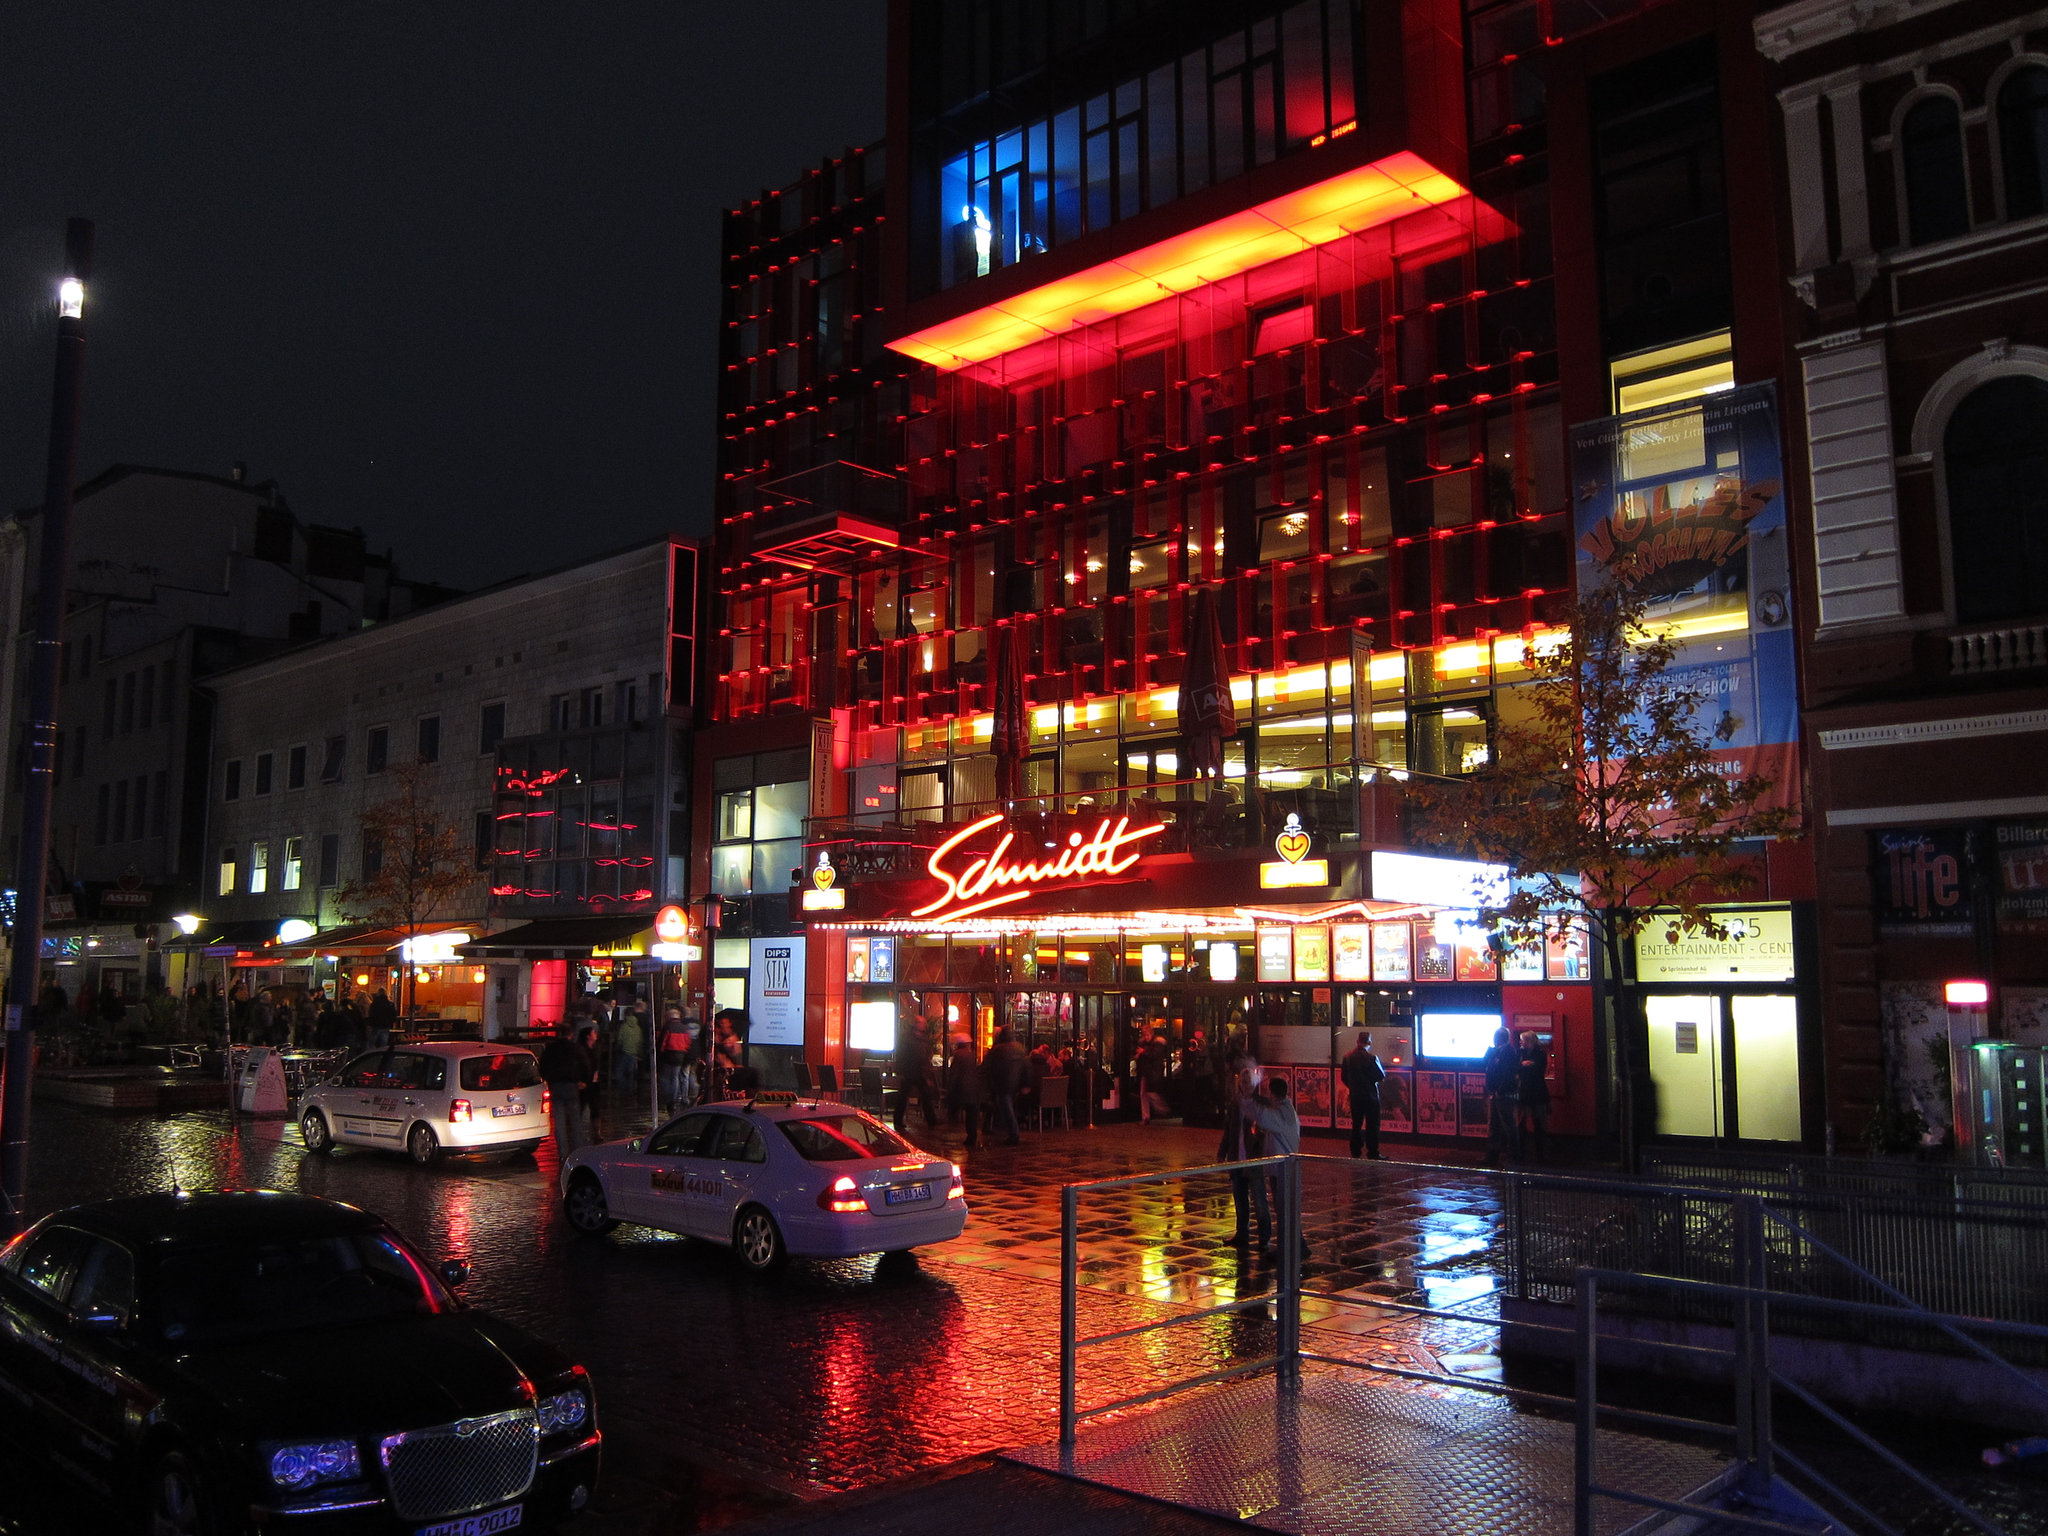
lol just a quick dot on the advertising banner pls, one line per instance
(1397, 1104)
(2022, 849)
(1683, 505)
(1436, 1103)
(775, 992)
(1758, 948)
(1920, 877)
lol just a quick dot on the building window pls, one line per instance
(491, 727)
(626, 703)
(112, 707)
(78, 751)
(99, 815)
(85, 656)
(139, 823)
(486, 839)
(590, 709)
(1932, 170)
(120, 834)
(162, 803)
(1685, 370)
(330, 858)
(259, 868)
(226, 886)
(377, 752)
(265, 763)
(332, 759)
(145, 704)
(295, 768)
(231, 788)
(294, 864)
(430, 738)
(127, 703)
(2023, 141)
(1995, 453)
(373, 856)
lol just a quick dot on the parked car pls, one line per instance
(460, 1096)
(218, 1361)
(772, 1177)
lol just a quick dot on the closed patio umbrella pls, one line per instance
(1011, 738)
(1208, 718)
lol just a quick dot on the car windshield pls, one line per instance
(841, 1138)
(492, 1074)
(250, 1286)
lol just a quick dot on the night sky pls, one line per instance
(445, 269)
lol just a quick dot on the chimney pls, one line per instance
(240, 472)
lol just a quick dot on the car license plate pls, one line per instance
(500, 1111)
(904, 1194)
(476, 1525)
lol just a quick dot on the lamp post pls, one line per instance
(32, 869)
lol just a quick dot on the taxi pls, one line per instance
(430, 1097)
(773, 1177)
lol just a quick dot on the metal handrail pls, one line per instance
(1286, 1291)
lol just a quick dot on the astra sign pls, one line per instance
(993, 879)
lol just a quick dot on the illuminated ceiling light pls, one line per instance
(1359, 199)
(293, 929)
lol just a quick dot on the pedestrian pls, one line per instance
(383, 1018)
(914, 1072)
(1005, 1069)
(1240, 1142)
(1503, 1068)
(1272, 1109)
(594, 1083)
(1535, 1095)
(965, 1093)
(1152, 1061)
(565, 1070)
(632, 1043)
(1363, 1073)
(262, 1019)
(330, 1029)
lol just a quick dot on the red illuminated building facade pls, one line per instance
(1166, 353)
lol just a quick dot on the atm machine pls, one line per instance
(1998, 1104)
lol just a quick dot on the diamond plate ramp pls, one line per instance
(1342, 1456)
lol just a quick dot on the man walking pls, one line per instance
(964, 1091)
(1005, 1069)
(1274, 1112)
(1363, 1073)
(1503, 1068)
(1247, 1190)
(566, 1070)
(1536, 1092)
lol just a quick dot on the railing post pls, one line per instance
(1586, 1376)
(1744, 1237)
(1290, 1270)
(1757, 1328)
(1070, 1264)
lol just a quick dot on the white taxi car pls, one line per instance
(772, 1177)
(431, 1097)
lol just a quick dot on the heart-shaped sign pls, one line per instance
(1292, 843)
(824, 874)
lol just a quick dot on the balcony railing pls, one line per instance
(2006, 648)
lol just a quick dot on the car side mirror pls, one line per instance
(455, 1272)
(633, 1145)
(100, 1320)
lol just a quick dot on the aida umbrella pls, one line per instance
(1011, 737)
(1207, 717)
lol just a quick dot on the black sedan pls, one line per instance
(226, 1360)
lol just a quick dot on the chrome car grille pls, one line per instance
(452, 1469)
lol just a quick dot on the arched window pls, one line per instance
(2023, 141)
(1931, 154)
(1995, 452)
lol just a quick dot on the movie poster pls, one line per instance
(1390, 952)
(1397, 1103)
(1433, 961)
(1311, 1089)
(1683, 504)
(1471, 1103)
(1351, 952)
(1436, 1103)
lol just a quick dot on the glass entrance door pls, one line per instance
(1766, 1029)
(1685, 1064)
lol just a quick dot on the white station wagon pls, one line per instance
(771, 1178)
(428, 1098)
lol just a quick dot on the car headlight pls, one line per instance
(320, 1461)
(565, 1410)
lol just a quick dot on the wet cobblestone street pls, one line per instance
(724, 1395)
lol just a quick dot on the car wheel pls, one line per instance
(423, 1145)
(313, 1130)
(585, 1208)
(177, 1502)
(898, 1260)
(757, 1240)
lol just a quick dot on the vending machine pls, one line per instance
(1998, 1104)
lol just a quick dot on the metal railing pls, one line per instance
(1750, 1300)
(1772, 1174)
(1285, 1294)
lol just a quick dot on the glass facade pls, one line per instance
(1036, 144)
(575, 820)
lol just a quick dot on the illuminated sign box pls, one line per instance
(1758, 948)
(1278, 875)
(833, 900)
(1430, 882)
(871, 1026)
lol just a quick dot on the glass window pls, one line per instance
(332, 758)
(1704, 365)
(739, 1141)
(430, 738)
(491, 726)
(841, 1138)
(775, 864)
(295, 769)
(735, 815)
(1931, 163)
(377, 752)
(51, 1262)
(780, 809)
(366, 1071)
(2023, 142)
(732, 869)
(264, 765)
(686, 1137)
(1995, 454)
(247, 1287)
(259, 868)
(496, 1073)
(231, 785)
(294, 864)
(226, 885)
(1286, 536)
(108, 1289)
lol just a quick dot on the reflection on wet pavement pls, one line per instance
(724, 1394)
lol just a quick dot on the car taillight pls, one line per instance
(458, 1111)
(956, 1190)
(547, 1099)
(843, 1196)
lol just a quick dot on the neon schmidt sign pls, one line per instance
(982, 882)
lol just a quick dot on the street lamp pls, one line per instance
(188, 923)
(32, 870)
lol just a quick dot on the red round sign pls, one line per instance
(671, 926)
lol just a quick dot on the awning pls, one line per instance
(561, 938)
(246, 934)
(361, 941)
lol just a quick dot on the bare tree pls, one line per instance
(416, 867)
(1610, 807)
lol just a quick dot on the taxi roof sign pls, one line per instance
(772, 1097)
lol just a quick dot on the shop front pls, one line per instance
(534, 976)
(1289, 956)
